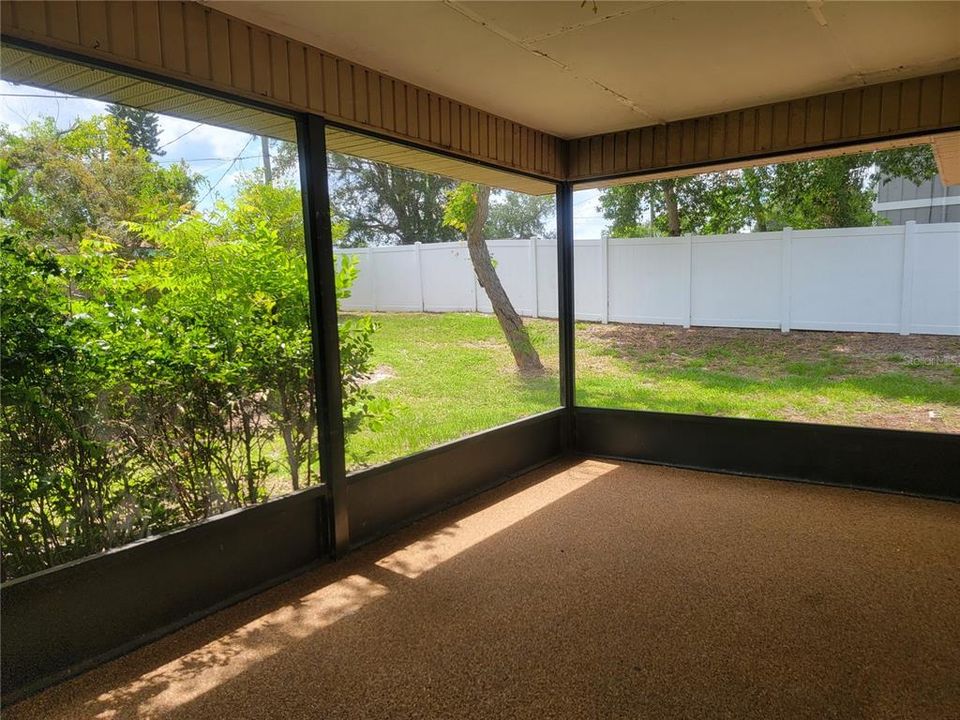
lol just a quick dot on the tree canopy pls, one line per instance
(823, 193)
(380, 204)
(142, 127)
(88, 178)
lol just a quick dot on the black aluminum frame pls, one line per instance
(62, 621)
(565, 310)
(311, 137)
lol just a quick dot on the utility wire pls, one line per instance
(204, 159)
(227, 171)
(45, 97)
(179, 137)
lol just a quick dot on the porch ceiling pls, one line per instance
(568, 70)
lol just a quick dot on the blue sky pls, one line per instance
(219, 154)
(211, 151)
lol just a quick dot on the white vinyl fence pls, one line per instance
(895, 279)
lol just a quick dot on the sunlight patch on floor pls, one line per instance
(423, 555)
(178, 682)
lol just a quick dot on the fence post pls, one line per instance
(688, 282)
(534, 280)
(373, 279)
(906, 277)
(416, 250)
(476, 283)
(786, 252)
(605, 278)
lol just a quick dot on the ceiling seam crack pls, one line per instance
(816, 9)
(595, 21)
(526, 47)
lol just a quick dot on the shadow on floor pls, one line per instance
(584, 589)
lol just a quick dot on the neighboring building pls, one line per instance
(931, 202)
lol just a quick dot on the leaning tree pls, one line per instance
(467, 208)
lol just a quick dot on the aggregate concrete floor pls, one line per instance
(586, 589)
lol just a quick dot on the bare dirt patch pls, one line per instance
(903, 382)
(932, 356)
(380, 373)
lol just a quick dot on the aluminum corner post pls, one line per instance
(311, 134)
(565, 303)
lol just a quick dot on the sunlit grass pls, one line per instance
(449, 375)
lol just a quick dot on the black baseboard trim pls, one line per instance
(916, 463)
(62, 621)
(388, 497)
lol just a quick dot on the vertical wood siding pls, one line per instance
(189, 41)
(895, 109)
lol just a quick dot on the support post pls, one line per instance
(786, 255)
(688, 282)
(565, 307)
(534, 280)
(605, 278)
(906, 277)
(419, 259)
(321, 273)
(372, 273)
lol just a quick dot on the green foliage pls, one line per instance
(378, 204)
(142, 127)
(517, 215)
(143, 390)
(384, 205)
(65, 491)
(916, 163)
(87, 178)
(460, 209)
(825, 193)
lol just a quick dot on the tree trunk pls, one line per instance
(528, 361)
(267, 167)
(673, 211)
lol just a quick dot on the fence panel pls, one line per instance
(512, 262)
(877, 279)
(646, 280)
(935, 306)
(587, 276)
(448, 280)
(736, 281)
(848, 279)
(547, 293)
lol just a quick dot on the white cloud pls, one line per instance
(214, 141)
(23, 104)
(588, 222)
(188, 140)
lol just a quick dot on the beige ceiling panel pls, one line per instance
(436, 47)
(686, 59)
(881, 40)
(573, 72)
(530, 21)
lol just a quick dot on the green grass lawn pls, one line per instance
(449, 375)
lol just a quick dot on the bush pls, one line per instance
(157, 369)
